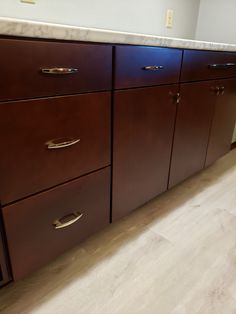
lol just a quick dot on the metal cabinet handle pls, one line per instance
(64, 222)
(176, 97)
(217, 90)
(61, 143)
(59, 71)
(153, 68)
(222, 90)
(221, 65)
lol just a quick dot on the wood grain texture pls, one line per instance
(176, 255)
(4, 266)
(27, 166)
(196, 65)
(193, 123)
(143, 132)
(130, 62)
(223, 122)
(31, 236)
(21, 62)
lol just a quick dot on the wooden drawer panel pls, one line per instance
(21, 62)
(131, 63)
(28, 166)
(31, 234)
(204, 65)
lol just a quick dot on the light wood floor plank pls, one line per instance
(175, 255)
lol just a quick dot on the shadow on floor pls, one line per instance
(38, 288)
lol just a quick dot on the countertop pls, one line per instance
(33, 29)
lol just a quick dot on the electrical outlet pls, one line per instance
(169, 18)
(28, 1)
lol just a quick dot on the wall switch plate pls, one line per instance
(28, 1)
(169, 18)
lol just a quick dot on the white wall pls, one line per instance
(142, 16)
(217, 21)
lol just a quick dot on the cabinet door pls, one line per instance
(223, 121)
(4, 274)
(193, 123)
(143, 131)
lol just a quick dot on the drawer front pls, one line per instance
(22, 62)
(146, 66)
(204, 65)
(32, 237)
(30, 131)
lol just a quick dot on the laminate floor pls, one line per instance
(176, 254)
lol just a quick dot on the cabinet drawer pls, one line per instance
(31, 224)
(22, 62)
(204, 65)
(31, 160)
(146, 66)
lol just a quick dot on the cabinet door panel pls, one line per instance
(223, 121)
(143, 132)
(4, 273)
(193, 123)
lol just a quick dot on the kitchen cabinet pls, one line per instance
(223, 121)
(55, 128)
(143, 131)
(193, 123)
(92, 131)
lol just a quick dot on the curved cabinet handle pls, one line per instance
(216, 90)
(67, 220)
(176, 97)
(61, 143)
(59, 71)
(153, 67)
(222, 90)
(221, 65)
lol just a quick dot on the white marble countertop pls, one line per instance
(33, 29)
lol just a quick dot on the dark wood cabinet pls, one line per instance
(137, 66)
(22, 62)
(4, 269)
(154, 115)
(43, 226)
(223, 120)
(193, 123)
(30, 132)
(206, 65)
(143, 131)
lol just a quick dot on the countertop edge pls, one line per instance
(35, 29)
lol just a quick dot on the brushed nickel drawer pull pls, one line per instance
(64, 222)
(221, 65)
(153, 67)
(61, 143)
(59, 71)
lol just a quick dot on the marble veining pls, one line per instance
(33, 29)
